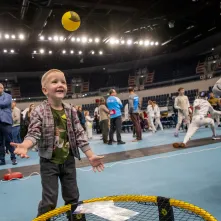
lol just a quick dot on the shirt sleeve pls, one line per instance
(81, 137)
(196, 103)
(176, 104)
(35, 127)
(7, 100)
(119, 102)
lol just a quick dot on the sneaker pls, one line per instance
(215, 138)
(176, 134)
(120, 142)
(109, 143)
(179, 145)
(2, 162)
(14, 162)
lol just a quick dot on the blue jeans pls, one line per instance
(5, 139)
(16, 134)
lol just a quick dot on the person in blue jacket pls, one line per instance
(6, 126)
(114, 105)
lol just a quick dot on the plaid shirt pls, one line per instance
(41, 130)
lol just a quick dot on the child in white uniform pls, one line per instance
(89, 124)
(157, 116)
(183, 106)
(151, 115)
(201, 108)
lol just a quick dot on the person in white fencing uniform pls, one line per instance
(151, 115)
(157, 116)
(217, 88)
(183, 106)
(201, 107)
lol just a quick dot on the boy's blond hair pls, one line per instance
(45, 76)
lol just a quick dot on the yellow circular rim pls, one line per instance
(132, 198)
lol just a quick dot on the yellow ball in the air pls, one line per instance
(71, 21)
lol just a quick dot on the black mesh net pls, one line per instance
(146, 211)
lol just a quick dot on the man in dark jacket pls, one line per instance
(6, 126)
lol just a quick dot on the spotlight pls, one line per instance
(92, 52)
(13, 36)
(34, 52)
(129, 42)
(146, 43)
(73, 39)
(42, 51)
(55, 38)
(50, 52)
(21, 36)
(49, 38)
(90, 40)
(61, 38)
(140, 42)
(80, 52)
(6, 36)
(63, 51)
(12, 51)
(156, 43)
(42, 38)
(122, 42)
(117, 41)
(5, 51)
(72, 52)
(100, 52)
(84, 39)
(97, 40)
(78, 39)
(151, 43)
(112, 41)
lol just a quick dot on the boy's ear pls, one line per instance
(44, 90)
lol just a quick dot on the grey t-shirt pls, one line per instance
(133, 104)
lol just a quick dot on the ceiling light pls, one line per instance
(49, 38)
(50, 52)
(80, 52)
(90, 40)
(112, 41)
(122, 42)
(21, 36)
(146, 43)
(84, 39)
(73, 39)
(141, 42)
(117, 41)
(100, 52)
(55, 38)
(78, 39)
(61, 38)
(97, 40)
(212, 49)
(13, 36)
(5, 51)
(72, 52)
(42, 38)
(63, 51)
(129, 42)
(92, 52)
(151, 43)
(12, 51)
(42, 51)
(6, 79)
(156, 43)
(6, 36)
(34, 52)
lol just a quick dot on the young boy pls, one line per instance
(55, 127)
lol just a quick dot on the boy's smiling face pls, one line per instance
(55, 86)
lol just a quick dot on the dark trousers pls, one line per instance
(104, 130)
(115, 124)
(50, 173)
(136, 121)
(5, 139)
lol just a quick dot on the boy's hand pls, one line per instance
(96, 163)
(20, 149)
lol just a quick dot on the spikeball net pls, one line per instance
(128, 207)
